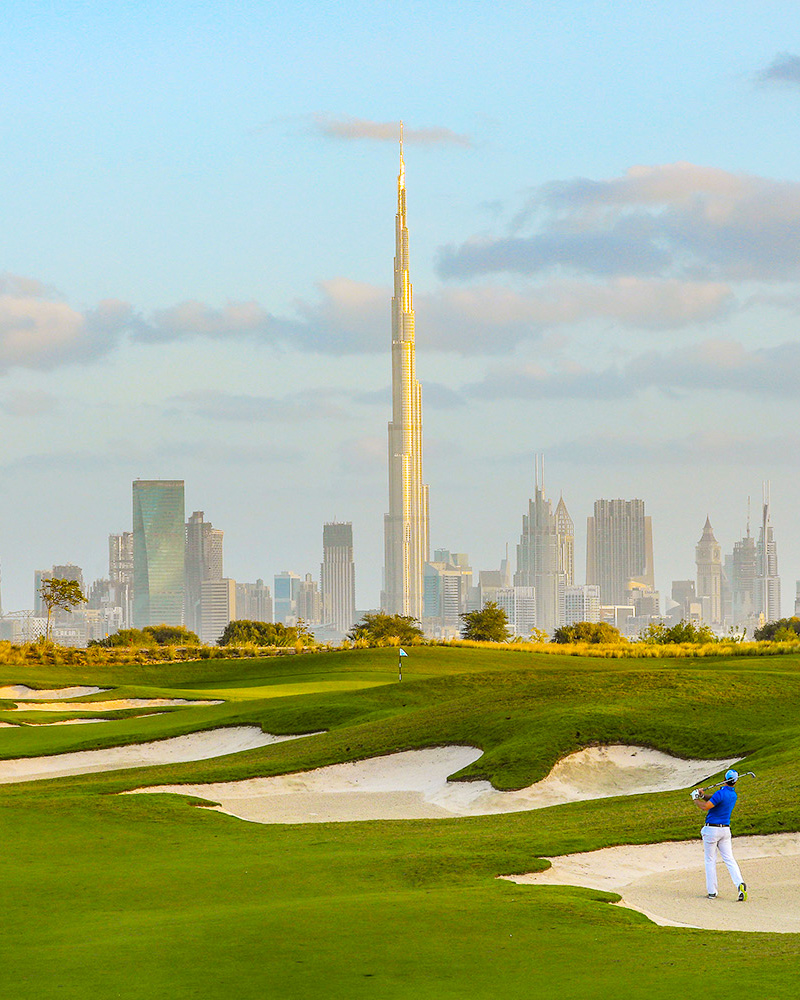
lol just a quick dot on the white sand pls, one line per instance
(177, 749)
(667, 882)
(15, 691)
(8, 725)
(106, 706)
(69, 722)
(414, 785)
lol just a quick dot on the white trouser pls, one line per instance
(719, 838)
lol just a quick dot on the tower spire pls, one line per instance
(406, 524)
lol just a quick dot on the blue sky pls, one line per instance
(196, 249)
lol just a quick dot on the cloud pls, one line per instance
(38, 329)
(713, 365)
(676, 220)
(217, 406)
(784, 68)
(348, 318)
(197, 319)
(27, 403)
(345, 127)
(699, 450)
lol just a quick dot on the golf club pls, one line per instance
(723, 782)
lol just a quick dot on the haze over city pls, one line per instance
(197, 273)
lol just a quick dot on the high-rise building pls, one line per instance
(286, 589)
(158, 552)
(39, 577)
(708, 558)
(253, 602)
(338, 576)
(69, 571)
(581, 604)
(565, 533)
(519, 604)
(767, 594)
(120, 575)
(743, 569)
(619, 549)
(217, 608)
(406, 524)
(120, 557)
(545, 555)
(309, 601)
(203, 561)
(797, 599)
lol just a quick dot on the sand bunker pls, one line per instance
(107, 706)
(177, 749)
(15, 691)
(414, 785)
(69, 722)
(667, 882)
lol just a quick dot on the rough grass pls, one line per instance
(147, 896)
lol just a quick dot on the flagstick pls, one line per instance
(400, 665)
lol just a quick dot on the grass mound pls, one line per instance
(144, 896)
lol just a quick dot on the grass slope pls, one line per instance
(135, 897)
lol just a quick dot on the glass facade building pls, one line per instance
(158, 552)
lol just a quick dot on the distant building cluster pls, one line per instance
(542, 595)
(169, 570)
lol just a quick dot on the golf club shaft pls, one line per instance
(723, 782)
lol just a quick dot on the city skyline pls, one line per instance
(605, 270)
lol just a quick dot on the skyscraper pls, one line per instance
(158, 552)
(217, 608)
(767, 594)
(203, 561)
(619, 549)
(338, 576)
(286, 589)
(708, 558)
(120, 573)
(545, 555)
(743, 569)
(406, 524)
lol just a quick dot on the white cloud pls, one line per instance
(345, 127)
(675, 220)
(713, 365)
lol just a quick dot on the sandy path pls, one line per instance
(667, 882)
(14, 691)
(176, 749)
(414, 785)
(106, 706)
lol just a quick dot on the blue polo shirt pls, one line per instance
(723, 801)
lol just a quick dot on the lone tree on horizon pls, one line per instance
(489, 624)
(64, 594)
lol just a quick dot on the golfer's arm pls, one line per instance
(703, 805)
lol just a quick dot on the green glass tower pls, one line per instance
(158, 552)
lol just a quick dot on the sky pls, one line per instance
(196, 245)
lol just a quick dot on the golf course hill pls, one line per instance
(338, 887)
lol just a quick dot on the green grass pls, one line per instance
(147, 896)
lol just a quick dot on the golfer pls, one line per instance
(716, 834)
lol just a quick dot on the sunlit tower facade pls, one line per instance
(406, 524)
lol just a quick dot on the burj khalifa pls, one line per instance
(406, 524)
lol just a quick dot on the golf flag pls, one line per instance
(400, 663)
(403, 652)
